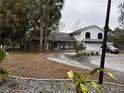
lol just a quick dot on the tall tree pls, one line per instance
(19, 16)
(119, 32)
(7, 19)
(14, 21)
(49, 15)
(121, 17)
(119, 37)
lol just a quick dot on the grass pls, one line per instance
(35, 65)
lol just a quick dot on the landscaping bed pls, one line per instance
(35, 65)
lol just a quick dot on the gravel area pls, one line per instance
(30, 85)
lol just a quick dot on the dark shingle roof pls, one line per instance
(61, 37)
(86, 28)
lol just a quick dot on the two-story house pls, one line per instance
(91, 36)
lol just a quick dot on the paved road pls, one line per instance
(114, 62)
(62, 58)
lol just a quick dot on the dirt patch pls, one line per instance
(35, 65)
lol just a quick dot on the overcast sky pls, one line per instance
(90, 12)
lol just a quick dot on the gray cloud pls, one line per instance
(90, 12)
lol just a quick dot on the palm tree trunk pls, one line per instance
(41, 34)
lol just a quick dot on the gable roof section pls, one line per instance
(61, 37)
(86, 28)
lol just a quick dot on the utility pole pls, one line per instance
(101, 74)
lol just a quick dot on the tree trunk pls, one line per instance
(27, 45)
(52, 45)
(41, 34)
(44, 47)
(22, 43)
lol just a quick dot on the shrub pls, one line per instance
(79, 53)
(85, 54)
(81, 81)
(92, 53)
(3, 70)
(2, 55)
(78, 47)
(88, 54)
(97, 53)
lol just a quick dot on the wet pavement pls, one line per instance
(113, 62)
(66, 59)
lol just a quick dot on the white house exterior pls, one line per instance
(91, 36)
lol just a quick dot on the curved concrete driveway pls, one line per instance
(61, 58)
(112, 61)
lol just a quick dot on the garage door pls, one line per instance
(93, 46)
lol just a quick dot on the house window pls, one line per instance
(99, 35)
(87, 35)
